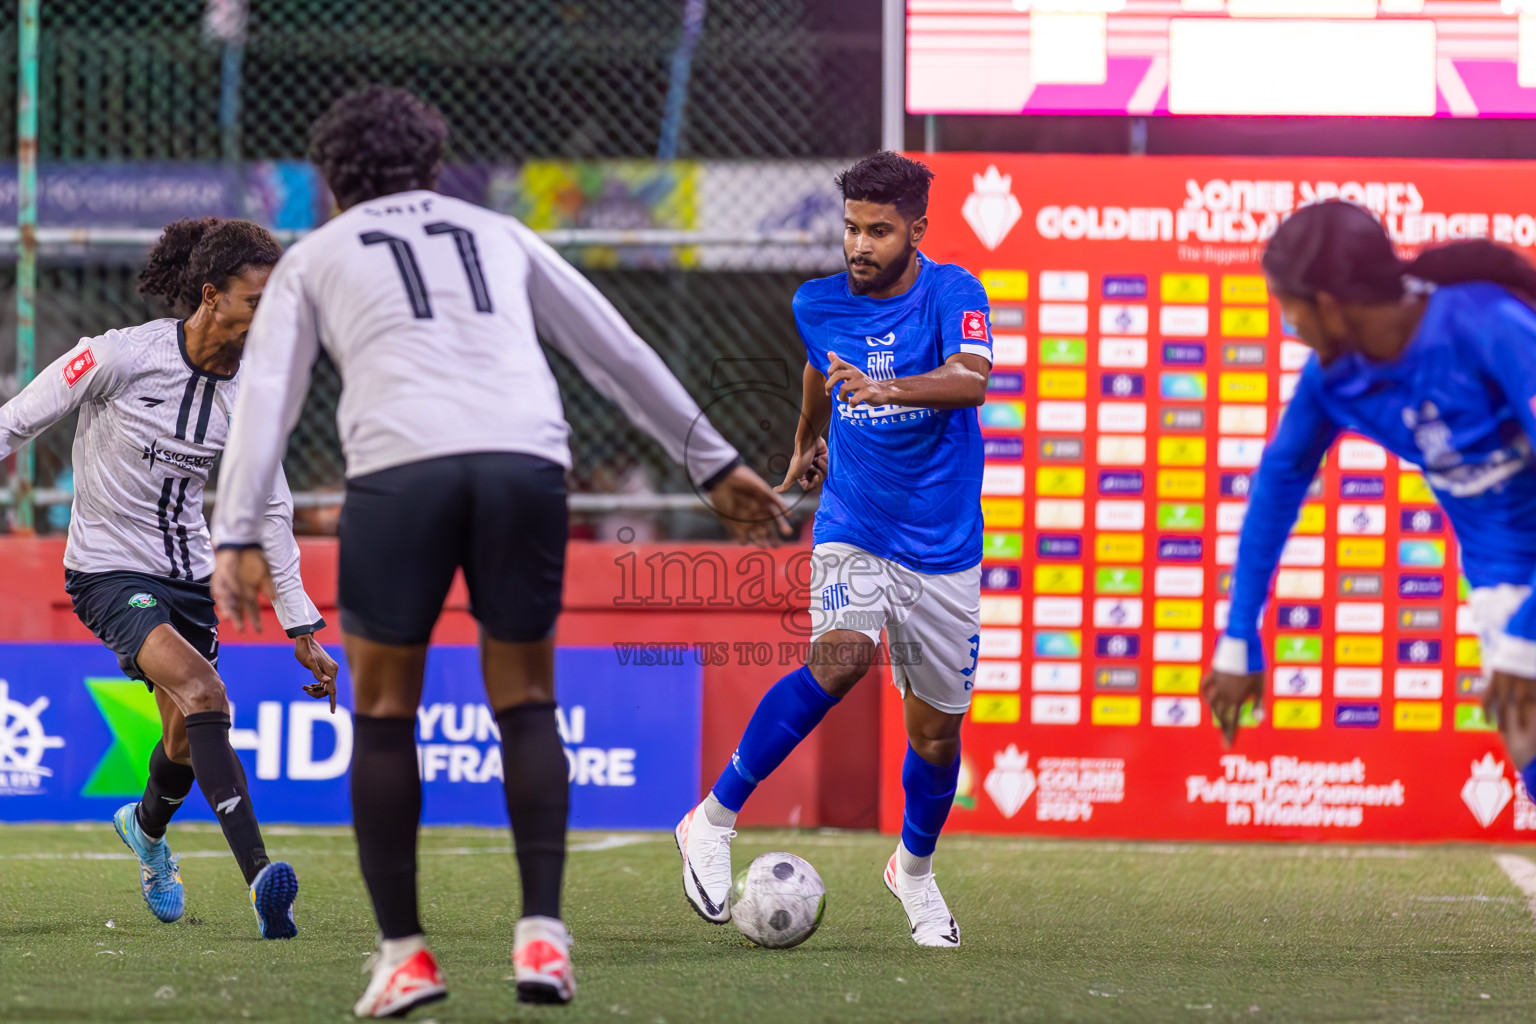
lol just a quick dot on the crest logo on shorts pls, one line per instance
(142, 601)
(834, 597)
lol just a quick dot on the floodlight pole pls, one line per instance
(26, 244)
(893, 87)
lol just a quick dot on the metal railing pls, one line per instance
(682, 159)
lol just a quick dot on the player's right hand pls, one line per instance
(808, 468)
(749, 508)
(1226, 694)
(240, 575)
(1508, 700)
(315, 658)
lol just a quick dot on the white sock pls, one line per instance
(717, 814)
(540, 924)
(913, 865)
(397, 951)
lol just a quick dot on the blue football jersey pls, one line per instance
(902, 483)
(1460, 402)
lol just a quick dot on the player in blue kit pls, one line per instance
(1434, 360)
(900, 348)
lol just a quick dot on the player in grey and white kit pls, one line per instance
(154, 405)
(456, 453)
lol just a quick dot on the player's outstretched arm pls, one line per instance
(579, 321)
(280, 353)
(808, 465)
(961, 383)
(89, 370)
(1279, 488)
(296, 613)
(242, 573)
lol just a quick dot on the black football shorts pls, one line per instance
(121, 608)
(500, 516)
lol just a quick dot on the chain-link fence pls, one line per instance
(681, 151)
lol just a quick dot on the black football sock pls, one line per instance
(222, 780)
(386, 812)
(169, 783)
(538, 801)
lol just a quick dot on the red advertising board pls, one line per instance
(1140, 365)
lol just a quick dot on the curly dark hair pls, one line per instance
(193, 252)
(887, 177)
(1342, 249)
(377, 142)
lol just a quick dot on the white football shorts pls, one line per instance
(933, 623)
(1492, 608)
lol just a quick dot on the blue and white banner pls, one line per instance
(75, 738)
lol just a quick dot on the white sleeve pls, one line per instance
(92, 369)
(274, 378)
(295, 610)
(586, 329)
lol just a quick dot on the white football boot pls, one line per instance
(706, 851)
(932, 923)
(404, 975)
(541, 961)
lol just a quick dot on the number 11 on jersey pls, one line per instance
(410, 270)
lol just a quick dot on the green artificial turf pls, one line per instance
(1052, 931)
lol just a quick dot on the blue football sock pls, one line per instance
(785, 716)
(1528, 776)
(930, 791)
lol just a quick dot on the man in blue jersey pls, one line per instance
(1434, 360)
(898, 352)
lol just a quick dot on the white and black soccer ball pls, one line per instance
(778, 900)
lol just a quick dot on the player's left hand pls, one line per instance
(808, 468)
(1509, 700)
(314, 657)
(240, 575)
(857, 387)
(1225, 694)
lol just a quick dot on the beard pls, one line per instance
(884, 276)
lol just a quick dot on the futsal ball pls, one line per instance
(778, 901)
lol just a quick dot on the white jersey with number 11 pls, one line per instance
(428, 305)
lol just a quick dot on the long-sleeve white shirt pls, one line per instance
(151, 425)
(427, 305)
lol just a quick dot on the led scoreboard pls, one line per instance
(1140, 367)
(1405, 58)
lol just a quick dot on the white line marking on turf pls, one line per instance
(1523, 873)
(610, 843)
(591, 846)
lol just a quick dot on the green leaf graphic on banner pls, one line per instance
(1118, 581)
(1180, 517)
(1299, 648)
(1471, 718)
(130, 712)
(1004, 546)
(1064, 351)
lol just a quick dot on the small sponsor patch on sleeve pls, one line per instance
(973, 325)
(78, 367)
